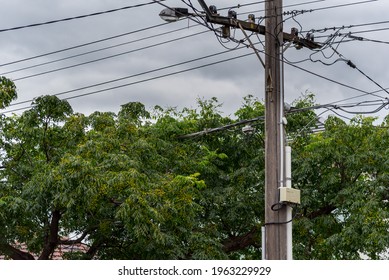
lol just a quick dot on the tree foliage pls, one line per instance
(7, 92)
(343, 174)
(130, 187)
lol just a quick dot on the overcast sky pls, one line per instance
(230, 81)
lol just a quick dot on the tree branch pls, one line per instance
(321, 211)
(14, 253)
(235, 243)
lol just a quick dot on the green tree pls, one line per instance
(130, 186)
(343, 175)
(97, 178)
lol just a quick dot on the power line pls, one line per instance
(365, 92)
(331, 80)
(179, 72)
(78, 17)
(328, 79)
(362, 95)
(140, 74)
(330, 107)
(108, 57)
(352, 65)
(84, 45)
(95, 51)
(354, 38)
(358, 38)
(346, 26)
(315, 9)
(244, 5)
(170, 66)
(342, 5)
(349, 62)
(285, 6)
(367, 76)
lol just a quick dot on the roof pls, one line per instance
(59, 252)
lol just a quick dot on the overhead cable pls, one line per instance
(108, 57)
(78, 17)
(315, 9)
(137, 75)
(329, 107)
(347, 26)
(94, 51)
(84, 45)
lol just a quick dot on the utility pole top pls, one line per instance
(213, 17)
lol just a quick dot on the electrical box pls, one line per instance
(289, 195)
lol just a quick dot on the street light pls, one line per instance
(174, 14)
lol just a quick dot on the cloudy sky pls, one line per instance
(106, 60)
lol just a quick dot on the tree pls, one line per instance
(343, 175)
(104, 179)
(130, 186)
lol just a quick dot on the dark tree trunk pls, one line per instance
(52, 239)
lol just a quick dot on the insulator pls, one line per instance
(294, 31)
(213, 9)
(232, 14)
(310, 37)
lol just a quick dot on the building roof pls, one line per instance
(59, 252)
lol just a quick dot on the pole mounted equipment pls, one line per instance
(250, 25)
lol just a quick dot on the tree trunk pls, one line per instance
(52, 240)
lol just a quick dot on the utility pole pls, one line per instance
(277, 229)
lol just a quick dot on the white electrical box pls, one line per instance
(289, 195)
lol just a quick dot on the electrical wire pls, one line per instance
(328, 107)
(108, 57)
(329, 44)
(347, 26)
(78, 17)
(312, 10)
(292, 65)
(94, 51)
(342, 5)
(354, 38)
(329, 79)
(284, 6)
(244, 5)
(358, 38)
(55, 61)
(210, 26)
(365, 92)
(137, 75)
(352, 65)
(84, 44)
(379, 108)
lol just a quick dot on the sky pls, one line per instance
(103, 61)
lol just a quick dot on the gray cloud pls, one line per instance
(228, 81)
